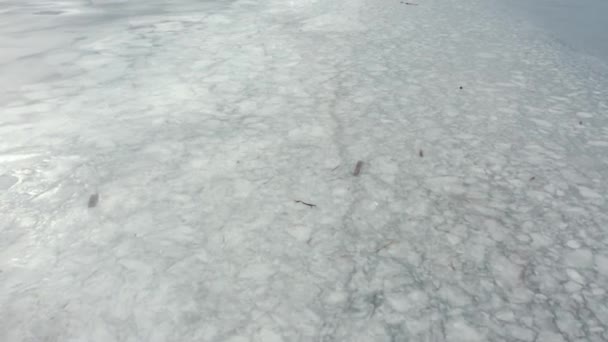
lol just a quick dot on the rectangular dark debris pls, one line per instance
(93, 200)
(358, 168)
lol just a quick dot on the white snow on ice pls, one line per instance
(479, 214)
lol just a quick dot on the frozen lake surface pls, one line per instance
(185, 171)
(580, 25)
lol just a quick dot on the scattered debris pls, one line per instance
(93, 200)
(580, 122)
(409, 3)
(358, 168)
(421, 153)
(532, 178)
(308, 204)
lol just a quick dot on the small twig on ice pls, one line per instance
(308, 204)
(384, 246)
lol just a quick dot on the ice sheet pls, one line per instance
(205, 128)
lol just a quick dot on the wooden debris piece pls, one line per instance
(310, 205)
(358, 167)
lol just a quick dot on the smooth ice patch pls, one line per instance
(300, 233)
(584, 115)
(579, 258)
(332, 23)
(601, 263)
(403, 302)
(7, 181)
(258, 272)
(460, 331)
(267, 335)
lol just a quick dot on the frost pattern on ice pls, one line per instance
(201, 123)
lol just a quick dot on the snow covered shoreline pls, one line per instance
(479, 212)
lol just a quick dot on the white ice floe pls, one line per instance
(220, 140)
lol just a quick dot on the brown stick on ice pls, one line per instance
(358, 168)
(310, 205)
